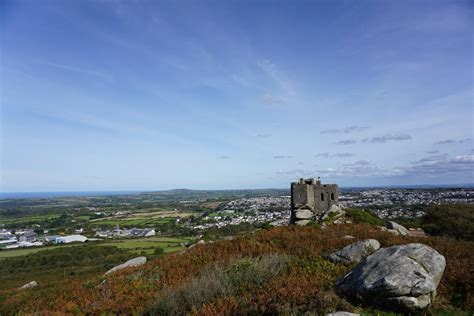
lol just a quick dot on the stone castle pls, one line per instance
(310, 200)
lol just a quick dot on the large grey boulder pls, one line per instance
(392, 226)
(135, 262)
(355, 252)
(29, 285)
(398, 277)
(303, 214)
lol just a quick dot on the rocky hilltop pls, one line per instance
(357, 268)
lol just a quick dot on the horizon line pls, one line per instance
(467, 185)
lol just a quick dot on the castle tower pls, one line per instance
(309, 200)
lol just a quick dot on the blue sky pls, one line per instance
(150, 95)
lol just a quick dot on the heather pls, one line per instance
(301, 282)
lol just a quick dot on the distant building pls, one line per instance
(4, 243)
(147, 232)
(4, 231)
(29, 236)
(70, 239)
(8, 237)
(26, 244)
(50, 238)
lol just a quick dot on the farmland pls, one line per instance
(43, 270)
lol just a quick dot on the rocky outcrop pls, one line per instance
(399, 277)
(397, 229)
(303, 214)
(29, 285)
(333, 213)
(341, 313)
(130, 263)
(355, 252)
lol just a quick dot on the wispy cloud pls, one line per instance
(224, 157)
(282, 157)
(436, 167)
(323, 155)
(79, 70)
(452, 141)
(331, 131)
(432, 158)
(346, 142)
(336, 155)
(272, 71)
(446, 141)
(432, 151)
(263, 135)
(342, 155)
(431, 166)
(388, 137)
(346, 130)
(361, 168)
(294, 172)
(358, 163)
(270, 99)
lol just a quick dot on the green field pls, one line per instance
(139, 245)
(130, 221)
(25, 251)
(149, 245)
(28, 219)
(67, 266)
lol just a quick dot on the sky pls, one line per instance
(155, 95)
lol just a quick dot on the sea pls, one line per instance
(47, 195)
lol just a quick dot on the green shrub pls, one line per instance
(266, 226)
(159, 251)
(362, 216)
(453, 220)
(62, 257)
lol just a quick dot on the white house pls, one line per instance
(70, 238)
(50, 238)
(146, 232)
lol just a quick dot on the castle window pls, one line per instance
(322, 197)
(332, 196)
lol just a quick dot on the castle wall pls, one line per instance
(325, 196)
(302, 196)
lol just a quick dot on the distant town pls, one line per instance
(40, 222)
